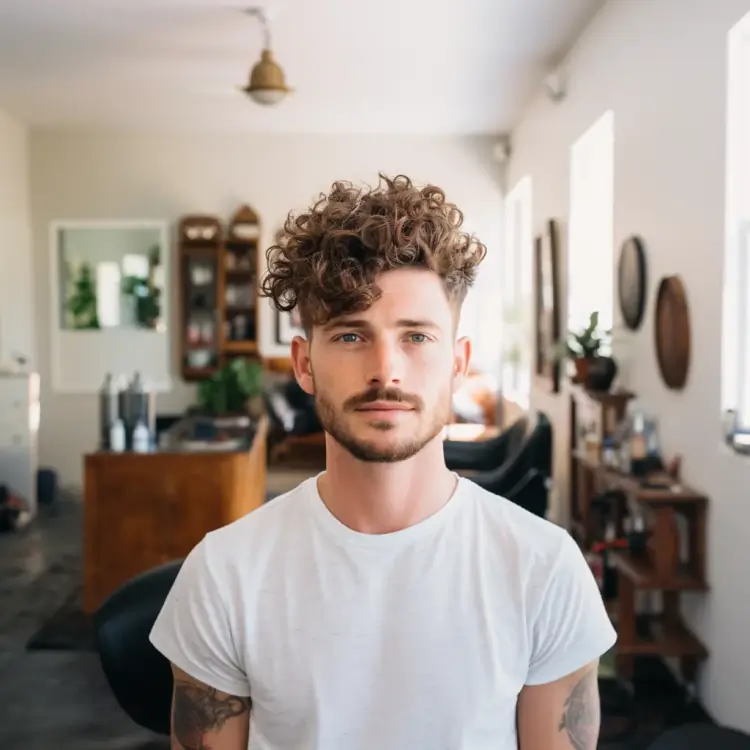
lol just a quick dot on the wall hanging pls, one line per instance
(631, 282)
(547, 318)
(672, 332)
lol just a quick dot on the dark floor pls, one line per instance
(59, 699)
(52, 699)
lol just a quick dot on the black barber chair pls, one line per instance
(524, 475)
(484, 455)
(291, 410)
(139, 676)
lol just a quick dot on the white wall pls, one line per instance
(16, 262)
(660, 65)
(111, 176)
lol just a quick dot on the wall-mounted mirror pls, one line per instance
(110, 302)
(111, 277)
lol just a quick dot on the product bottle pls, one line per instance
(109, 410)
(117, 436)
(141, 438)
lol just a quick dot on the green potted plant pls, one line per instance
(237, 388)
(81, 302)
(584, 346)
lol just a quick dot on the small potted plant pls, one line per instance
(584, 348)
(237, 388)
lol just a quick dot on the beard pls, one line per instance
(431, 422)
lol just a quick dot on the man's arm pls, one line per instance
(561, 715)
(204, 718)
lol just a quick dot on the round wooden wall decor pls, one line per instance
(672, 332)
(631, 282)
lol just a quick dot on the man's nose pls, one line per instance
(386, 364)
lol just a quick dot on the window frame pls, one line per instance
(580, 225)
(518, 294)
(735, 355)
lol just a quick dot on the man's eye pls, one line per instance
(418, 338)
(348, 338)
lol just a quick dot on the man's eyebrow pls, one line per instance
(365, 325)
(416, 323)
(346, 323)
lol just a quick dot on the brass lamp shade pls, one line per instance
(266, 85)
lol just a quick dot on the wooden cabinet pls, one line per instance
(198, 259)
(238, 306)
(142, 510)
(219, 272)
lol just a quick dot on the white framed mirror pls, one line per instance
(110, 302)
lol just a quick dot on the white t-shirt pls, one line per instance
(419, 639)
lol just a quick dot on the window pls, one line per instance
(736, 314)
(591, 231)
(135, 265)
(518, 301)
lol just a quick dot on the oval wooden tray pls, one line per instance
(631, 282)
(672, 331)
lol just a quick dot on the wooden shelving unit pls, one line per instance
(597, 414)
(662, 568)
(198, 253)
(219, 271)
(238, 285)
(669, 563)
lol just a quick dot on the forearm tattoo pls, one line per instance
(198, 711)
(582, 713)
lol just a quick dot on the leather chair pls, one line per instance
(484, 455)
(139, 676)
(294, 425)
(524, 475)
(291, 410)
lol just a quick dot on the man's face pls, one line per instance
(383, 379)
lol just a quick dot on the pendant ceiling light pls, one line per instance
(266, 84)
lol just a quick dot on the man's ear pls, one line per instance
(300, 355)
(461, 361)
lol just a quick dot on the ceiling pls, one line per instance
(383, 66)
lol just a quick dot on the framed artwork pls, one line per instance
(547, 313)
(288, 325)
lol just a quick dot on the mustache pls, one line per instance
(383, 394)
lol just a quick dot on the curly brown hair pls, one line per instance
(326, 260)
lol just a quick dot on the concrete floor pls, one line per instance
(52, 699)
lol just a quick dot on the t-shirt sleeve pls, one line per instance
(571, 627)
(193, 628)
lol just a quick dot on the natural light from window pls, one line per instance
(135, 265)
(518, 300)
(108, 294)
(736, 318)
(591, 229)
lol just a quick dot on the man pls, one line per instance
(385, 604)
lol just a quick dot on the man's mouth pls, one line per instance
(381, 406)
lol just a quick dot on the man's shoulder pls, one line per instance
(261, 527)
(515, 530)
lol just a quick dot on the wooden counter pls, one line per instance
(142, 510)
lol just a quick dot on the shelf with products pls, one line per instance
(639, 524)
(238, 285)
(199, 248)
(218, 269)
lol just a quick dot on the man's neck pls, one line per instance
(379, 498)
